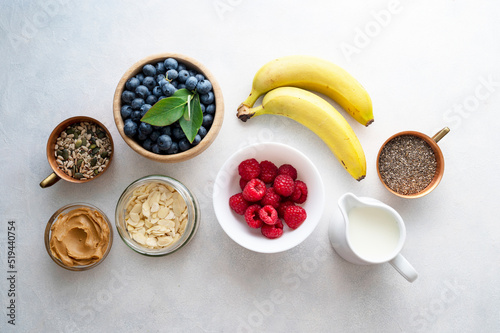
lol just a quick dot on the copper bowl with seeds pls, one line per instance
(79, 150)
(410, 164)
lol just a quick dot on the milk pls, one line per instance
(373, 233)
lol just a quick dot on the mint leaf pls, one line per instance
(190, 127)
(165, 112)
(183, 93)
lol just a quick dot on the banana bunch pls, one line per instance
(284, 81)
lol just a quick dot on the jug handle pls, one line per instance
(404, 268)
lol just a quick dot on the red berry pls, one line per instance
(294, 216)
(243, 183)
(254, 190)
(249, 169)
(271, 198)
(287, 169)
(284, 185)
(283, 206)
(279, 224)
(268, 171)
(300, 192)
(238, 204)
(271, 231)
(268, 215)
(252, 217)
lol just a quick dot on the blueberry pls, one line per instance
(130, 128)
(168, 89)
(166, 130)
(200, 77)
(181, 86)
(155, 135)
(184, 144)
(157, 92)
(160, 67)
(139, 77)
(149, 70)
(151, 99)
(203, 107)
(208, 119)
(172, 74)
(132, 83)
(128, 96)
(136, 116)
(170, 63)
(178, 133)
(161, 97)
(142, 91)
(174, 148)
(141, 136)
(164, 142)
(162, 82)
(207, 98)
(175, 84)
(202, 132)
(192, 72)
(155, 149)
(144, 109)
(137, 103)
(196, 140)
(149, 82)
(204, 87)
(126, 111)
(183, 76)
(191, 83)
(210, 109)
(145, 128)
(159, 77)
(147, 144)
(181, 67)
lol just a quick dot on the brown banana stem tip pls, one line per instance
(244, 113)
(360, 178)
(369, 122)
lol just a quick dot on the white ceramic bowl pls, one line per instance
(227, 184)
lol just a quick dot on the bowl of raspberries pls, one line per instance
(268, 197)
(168, 107)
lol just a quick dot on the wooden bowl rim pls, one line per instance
(439, 167)
(211, 134)
(52, 141)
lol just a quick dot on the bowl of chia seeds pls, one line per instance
(410, 164)
(79, 149)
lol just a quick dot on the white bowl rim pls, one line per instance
(252, 239)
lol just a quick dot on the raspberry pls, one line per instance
(243, 183)
(283, 206)
(249, 169)
(294, 216)
(287, 169)
(268, 171)
(254, 190)
(271, 198)
(252, 217)
(271, 231)
(283, 185)
(268, 215)
(279, 224)
(300, 193)
(238, 204)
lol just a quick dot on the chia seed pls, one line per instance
(407, 164)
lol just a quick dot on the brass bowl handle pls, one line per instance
(439, 135)
(50, 180)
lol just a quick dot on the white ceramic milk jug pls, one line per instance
(370, 233)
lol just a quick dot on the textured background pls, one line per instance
(426, 65)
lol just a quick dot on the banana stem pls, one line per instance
(245, 113)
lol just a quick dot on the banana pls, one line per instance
(314, 74)
(319, 116)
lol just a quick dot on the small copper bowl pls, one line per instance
(437, 153)
(58, 174)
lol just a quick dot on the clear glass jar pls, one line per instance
(64, 210)
(192, 209)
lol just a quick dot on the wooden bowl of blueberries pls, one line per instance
(168, 107)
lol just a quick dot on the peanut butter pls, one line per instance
(79, 237)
